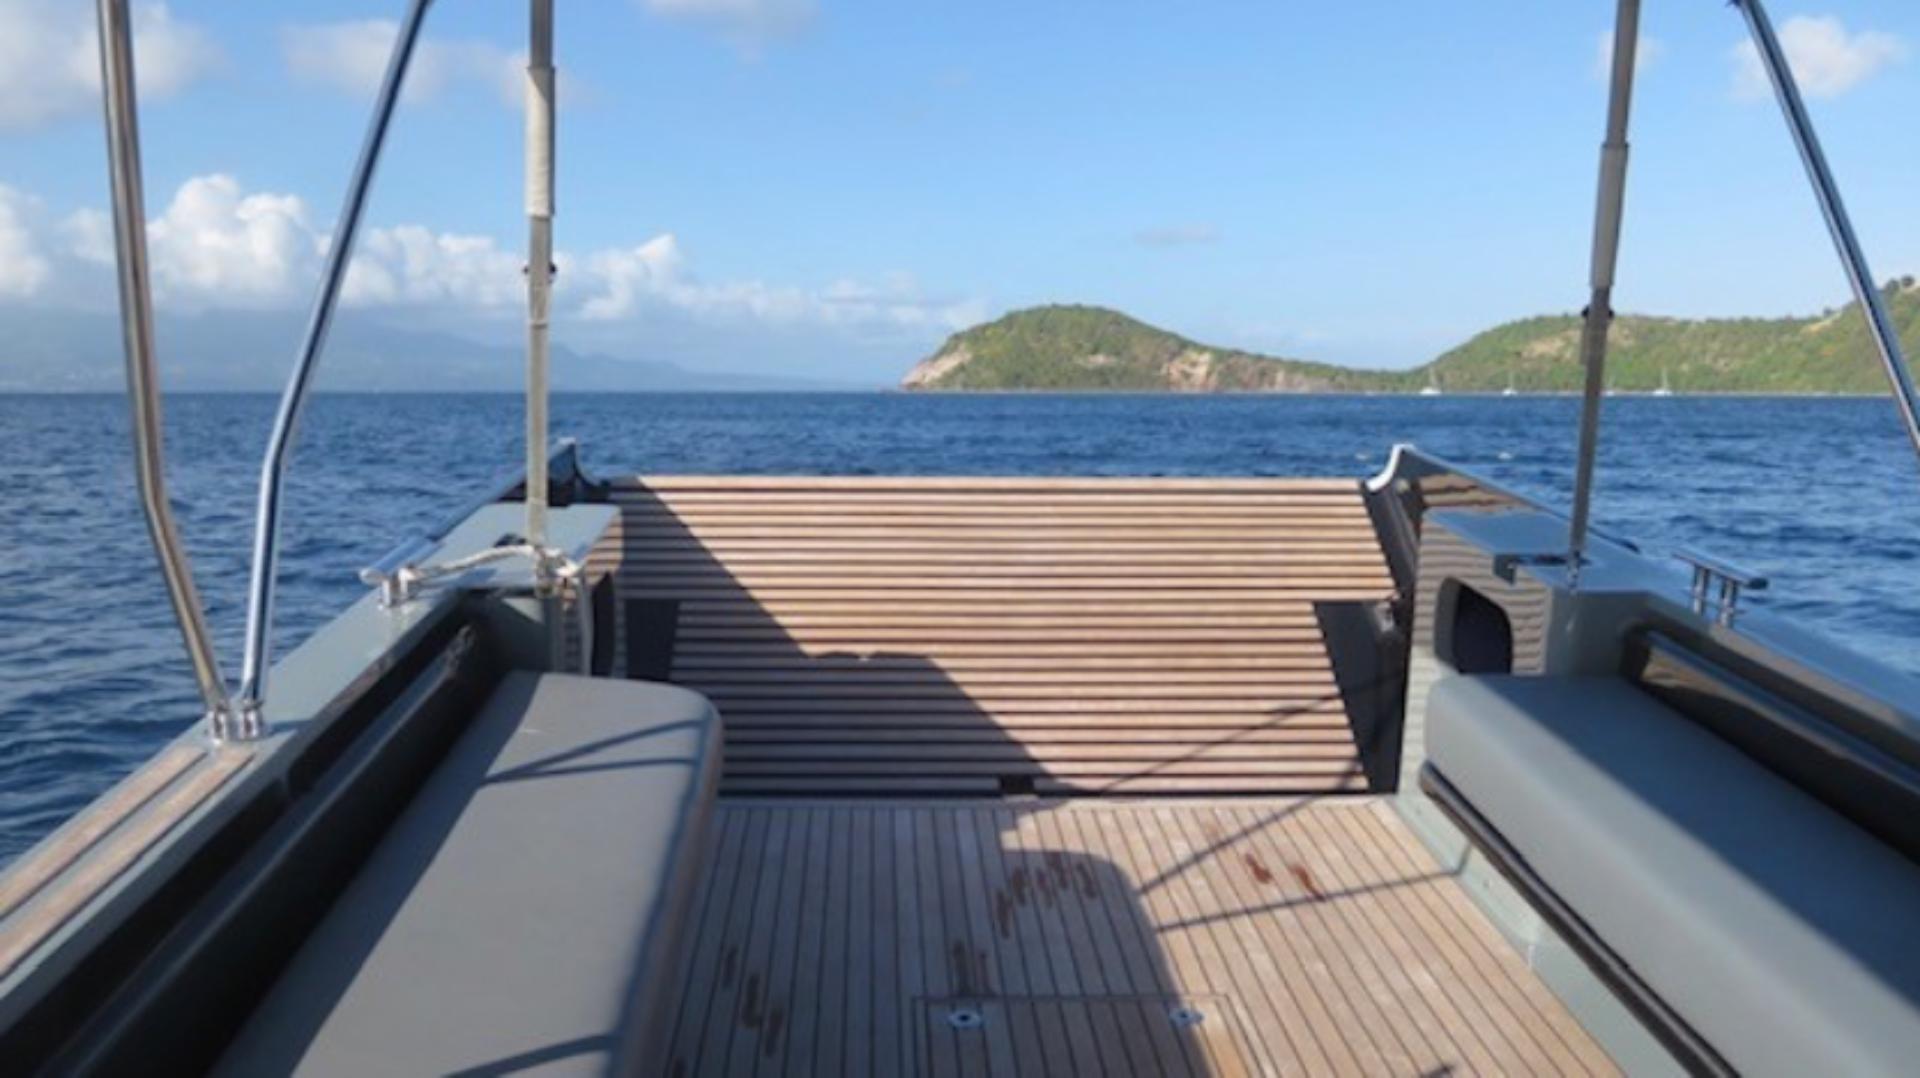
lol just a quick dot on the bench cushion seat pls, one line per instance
(1782, 933)
(519, 914)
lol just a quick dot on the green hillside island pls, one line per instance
(1092, 348)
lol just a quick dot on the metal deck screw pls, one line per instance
(1186, 1017)
(965, 1018)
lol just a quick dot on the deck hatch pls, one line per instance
(1196, 1036)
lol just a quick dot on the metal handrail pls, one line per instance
(1886, 338)
(1606, 239)
(1731, 579)
(143, 388)
(273, 467)
(385, 573)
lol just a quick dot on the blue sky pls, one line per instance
(829, 187)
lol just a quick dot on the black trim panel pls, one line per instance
(1809, 741)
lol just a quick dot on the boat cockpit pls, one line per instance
(689, 775)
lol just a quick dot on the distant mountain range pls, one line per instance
(1071, 348)
(1093, 348)
(67, 351)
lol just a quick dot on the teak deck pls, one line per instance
(968, 636)
(1085, 937)
(908, 639)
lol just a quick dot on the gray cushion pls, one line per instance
(1782, 933)
(522, 912)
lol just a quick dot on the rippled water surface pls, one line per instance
(1823, 495)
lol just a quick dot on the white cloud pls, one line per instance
(750, 24)
(410, 265)
(219, 245)
(50, 58)
(89, 234)
(1826, 59)
(623, 279)
(351, 57)
(23, 268)
(1648, 52)
(630, 283)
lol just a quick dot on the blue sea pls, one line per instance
(1821, 494)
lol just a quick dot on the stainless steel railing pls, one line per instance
(136, 323)
(229, 718)
(1718, 584)
(390, 574)
(240, 716)
(273, 467)
(1886, 339)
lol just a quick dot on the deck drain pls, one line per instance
(1187, 1017)
(965, 1018)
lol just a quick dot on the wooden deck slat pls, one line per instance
(771, 664)
(741, 680)
(1431, 930)
(1292, 1045)
(1175, 540)
(1432, 1014)
(877, 737)
(939, 651)
(1315, 935)
(1157, 484)
(1278, 767)
(1160, 573)
(695, 620)
(1028, 606)
(1307, 714)
(939, 636)
(47, 862)
(1314, 716)
(1189, 657)
(1107, 707)
(986, 694)
(745, 752)
(1349, 537)
(1244, 504)
(1149, 784)
(706, 964)
(1162, 592)
(1548, 1028)
(139, 814)
(971, 786)
(801, 489)
(1148, 573)
(1092, 549)
(848, 645)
